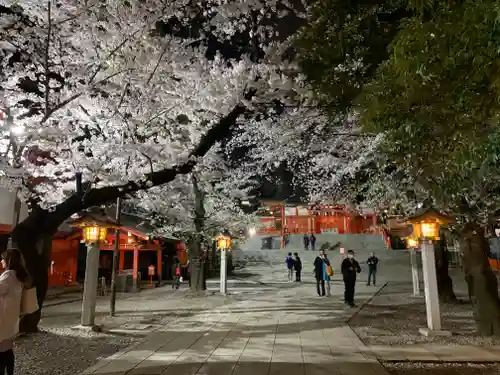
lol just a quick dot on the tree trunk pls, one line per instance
(197, 274)
(481, 279)
(445, 284)
(198, 282)
(36, 250)
(42, 224)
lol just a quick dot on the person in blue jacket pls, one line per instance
(290, 263)
(321, 264)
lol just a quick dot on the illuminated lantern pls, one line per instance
(426, 225)
(223, 242)
(94, 233)
(412, 243)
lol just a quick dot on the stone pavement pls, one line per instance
(434, 353)
(275, 328)
(288, 330)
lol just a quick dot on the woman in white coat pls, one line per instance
(12, 281)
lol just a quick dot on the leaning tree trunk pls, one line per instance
(445, 284)
(198, 284)
(40, 225)
(481, 279)
(36, 248)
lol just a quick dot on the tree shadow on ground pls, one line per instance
(46, 352)
(395, 310)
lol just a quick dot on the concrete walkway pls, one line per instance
(288, 331)
(434, 353)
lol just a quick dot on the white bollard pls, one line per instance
(414, 273)
(90, 286)
(223, 271)
(430, 284)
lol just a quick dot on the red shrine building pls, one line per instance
(139, 248)
(280, 219)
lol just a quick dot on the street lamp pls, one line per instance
(223, 244)
(412, 244)
(426, 229)
(92, 234)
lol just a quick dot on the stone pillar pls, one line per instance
(223, 271)
(159, 266)
(430, 284)
(135, 269)
(414, 273)
(90, 286)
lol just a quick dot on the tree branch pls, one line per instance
(46, 58)
(48, 221)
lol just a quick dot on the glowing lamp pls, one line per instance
(411, 243)
(252, 231)
(223, 242)
(92, 234)
(426, 225)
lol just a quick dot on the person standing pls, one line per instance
(306, 242)
(12, 281)
(350, 268)
(372, 269)
(312, 241)
(297, 263)
(177, 274)
(321, 266)
(290, 265)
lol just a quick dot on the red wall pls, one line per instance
(64, 255)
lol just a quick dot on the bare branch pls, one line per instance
(77, 14)
(46, 58)
(110, 55)
(149, 160)
(157, 64)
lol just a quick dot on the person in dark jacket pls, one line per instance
(320, 273)
(290, 265)
(306, 242)
(297, 263)
(372, 269)
(350, 268)
(312, 241)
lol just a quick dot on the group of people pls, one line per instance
(323, 272)
(309, 240)
(294, 264)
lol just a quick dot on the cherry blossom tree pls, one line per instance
(200, 205)
(127, 94)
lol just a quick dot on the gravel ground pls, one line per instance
(393, 317)
(59, 349)
(416, 368)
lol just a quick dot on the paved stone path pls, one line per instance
(286, 331)
(274, 329)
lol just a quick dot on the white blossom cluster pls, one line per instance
(98, 87)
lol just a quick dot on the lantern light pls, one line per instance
(223, 242)
(412, 243)
(93, 234)
(426, 225)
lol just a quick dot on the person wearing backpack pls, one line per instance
(12, 281)
(290, 265)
